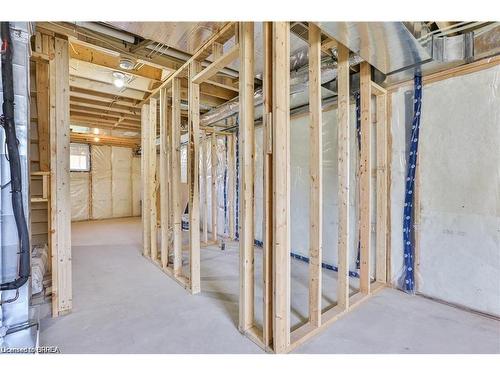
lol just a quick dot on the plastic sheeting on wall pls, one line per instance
(300, 187)
(459, 257)
(136, 186)
(112, 188)
(15, 313)
(80, 195)
(121, 181)
(460, 191)
(102, 204)
(223, 226)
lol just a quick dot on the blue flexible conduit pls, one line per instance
(409, 276)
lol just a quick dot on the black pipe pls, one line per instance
(14, 162)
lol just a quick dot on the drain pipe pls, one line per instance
(14, 161)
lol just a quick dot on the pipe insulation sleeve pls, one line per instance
(14, 162)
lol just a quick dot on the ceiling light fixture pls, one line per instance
(96, 139)
(118, 79)
(126, 63)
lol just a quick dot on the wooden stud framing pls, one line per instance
(146, 201)
(164, 178)
(152, 177)
(267, 222)
(365, 178)
(60, 178)
(217, 65)
(231, 168)
(281, 185)
(204, 184)
(42, 105)
(246, 134)
(315, 176)
(343, 176)
(193, 182)
(214, 205)
(221, 36)
(176, 176)
(382, 198)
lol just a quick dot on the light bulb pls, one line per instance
(118, 82)
(118, 79)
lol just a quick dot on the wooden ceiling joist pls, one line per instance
(106, 88)
(111, 61)
(104, 140)
(103, 118)
(85, 118)
(91, 92)
(106, 112)
(104, 105)
(223, 35)
(96, 73)
(92, 123)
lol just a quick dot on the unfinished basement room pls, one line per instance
(250, 186)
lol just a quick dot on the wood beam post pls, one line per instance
(175, 149)
(315, 176)
(214, 205)
(365, 178)
(164, 177)
(146, 218)
(247, 134)
(152, 177)
(193, 180)
(343, 176)
(267, 222)
(281, 185)
(62, 299)
(42, 105)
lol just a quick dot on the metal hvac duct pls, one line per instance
(298, 83)
(387, 46)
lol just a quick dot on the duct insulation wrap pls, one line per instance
(112, 187)
(16, 312)
(458, 182)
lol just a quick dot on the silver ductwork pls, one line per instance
(299, 79)
(387, 46)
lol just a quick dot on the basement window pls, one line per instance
(79, 160)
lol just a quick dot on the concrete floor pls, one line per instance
(122, 303)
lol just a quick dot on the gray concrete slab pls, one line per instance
(124, 304)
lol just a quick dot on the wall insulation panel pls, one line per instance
(111, 189)
(459, 190)
(300, 185)
(136, 186)
(121, 181)
(102, 205)
(80, 195)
